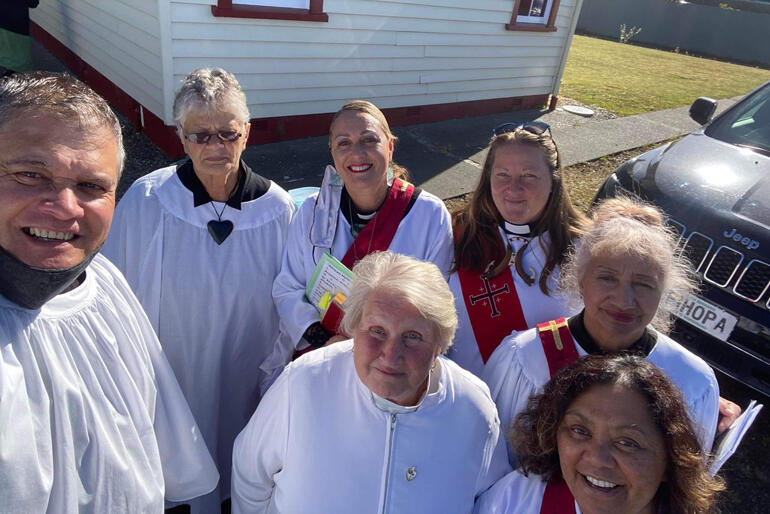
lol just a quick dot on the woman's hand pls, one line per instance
(341, 337)
(728, 413)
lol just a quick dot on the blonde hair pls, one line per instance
(417, 282)
(626, 226)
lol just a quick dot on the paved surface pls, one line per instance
(445, 157)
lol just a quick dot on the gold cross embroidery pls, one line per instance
(554, 327)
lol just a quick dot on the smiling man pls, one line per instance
(94, 418)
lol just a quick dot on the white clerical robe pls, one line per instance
(518, 368)
(536, 306)
(209, 304)
(515, 494)
(319, 443)
(91, 416)
(424, 233)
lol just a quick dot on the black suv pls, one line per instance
(715, 186)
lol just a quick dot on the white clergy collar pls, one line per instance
(385, 405)
(519, 230)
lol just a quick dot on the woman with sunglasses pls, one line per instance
(362, 206)
(509, 242)
(200, 242)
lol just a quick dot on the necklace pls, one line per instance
(219, 229)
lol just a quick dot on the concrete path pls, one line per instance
(445, 157)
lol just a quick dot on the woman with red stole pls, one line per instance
(509, 242)
(608, 434)
(363, 206)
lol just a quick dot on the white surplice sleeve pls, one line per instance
(295, 312)
(441, 251)
(509, 382)
(260, 450)
(188, 469)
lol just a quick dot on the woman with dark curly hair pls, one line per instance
(608, 434)
(509, 242)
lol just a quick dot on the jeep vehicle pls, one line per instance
(714, 184)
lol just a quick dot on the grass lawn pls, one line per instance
(629, 79)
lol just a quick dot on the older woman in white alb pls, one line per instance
(200, 242)
(623, 269)
(380, 423)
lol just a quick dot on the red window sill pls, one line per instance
(529, 27)
(268, 13)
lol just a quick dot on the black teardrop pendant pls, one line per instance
(219, 230)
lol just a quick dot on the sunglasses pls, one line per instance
(201, 138)
(537, 128)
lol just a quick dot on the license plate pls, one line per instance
(706, 316)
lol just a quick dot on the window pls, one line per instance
(534, 15)
(303, 10)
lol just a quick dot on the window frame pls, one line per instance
(548, 26)
(232, 9)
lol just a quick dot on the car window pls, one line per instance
(748, 124)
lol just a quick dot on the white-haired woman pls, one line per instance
(200, 242)
(623, 269)
(363, 206)
(380, 423)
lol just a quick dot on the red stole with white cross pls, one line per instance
(558, 345)
(377, 235)
(493, 308)
(557, 498)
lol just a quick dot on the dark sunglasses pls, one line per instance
(201, 138)
(537, 128)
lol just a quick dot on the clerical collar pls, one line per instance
(385, 405)
(357, 219)
(518, 230)
(250, 185)
(31, 287)
(641, 347)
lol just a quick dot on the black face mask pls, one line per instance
(31, 287)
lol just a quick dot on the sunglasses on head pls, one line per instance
(201, 138)
(537, 128)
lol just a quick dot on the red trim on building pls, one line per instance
(225, 8)
(266, 130)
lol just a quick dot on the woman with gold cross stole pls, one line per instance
(623, 269)
(364, 205)
(608, 434)
(509, 242)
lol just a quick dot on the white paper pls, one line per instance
(728, 442)
(330, 276)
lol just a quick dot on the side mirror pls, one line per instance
(703, 109)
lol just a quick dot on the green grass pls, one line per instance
(629, 79)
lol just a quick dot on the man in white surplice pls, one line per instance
(200, 243)
(91, 416)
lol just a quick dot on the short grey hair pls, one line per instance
(419, 283)
(626, 226)
(60, 95)
(209, 88)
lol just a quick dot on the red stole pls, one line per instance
(493, 308)
(557, 498)
(379, 232)
(560, 351)
(558, 345)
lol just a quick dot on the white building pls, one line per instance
(300, 60)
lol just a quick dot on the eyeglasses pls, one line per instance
(537, 128)
(201, 138)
